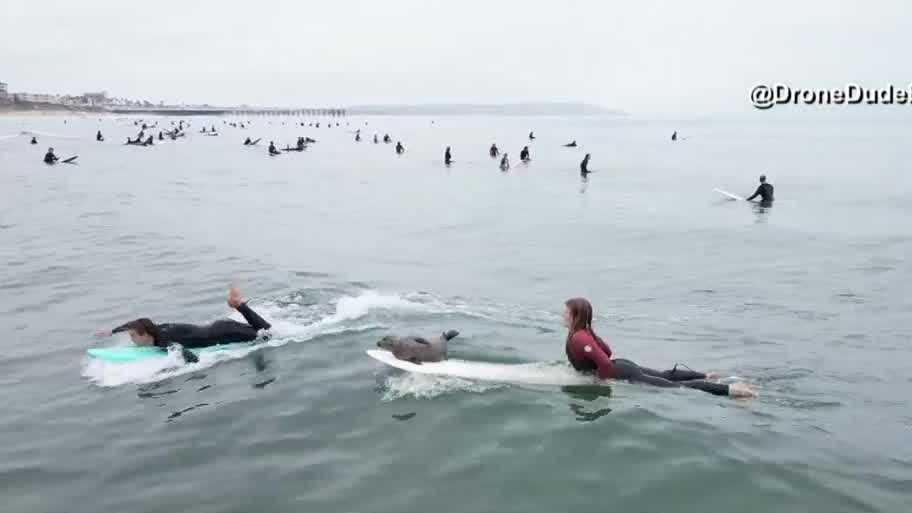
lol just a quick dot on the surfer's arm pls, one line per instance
(602, 362)
(754, 195)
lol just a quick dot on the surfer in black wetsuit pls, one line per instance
(49, 157)
(387, 139)
(447, 157)
(272, 149)
(531, 136)
(765, 191)
(34, 141)
(399, 148)
(144, 332)
(674, 136)
(247, 142)
(494, 152)
(99, 137)
(584, 166)
(571, 144)
(524, 154)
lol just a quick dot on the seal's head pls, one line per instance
(388, 342)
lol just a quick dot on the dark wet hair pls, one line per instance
(580, 314)
(145, 326)
(581, 319)
(762, 178)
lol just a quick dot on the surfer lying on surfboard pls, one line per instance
(589, 353)
(144, 332)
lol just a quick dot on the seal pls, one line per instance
(417, 349)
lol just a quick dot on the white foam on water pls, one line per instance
(424, 386)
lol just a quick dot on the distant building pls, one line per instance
(36, 98)
(4, 94)
(95, 99)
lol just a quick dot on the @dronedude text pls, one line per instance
(765, 96)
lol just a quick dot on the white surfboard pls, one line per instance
(729, 195)
(519, 373)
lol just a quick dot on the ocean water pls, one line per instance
(347, 242)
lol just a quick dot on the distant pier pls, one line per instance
(229, 111)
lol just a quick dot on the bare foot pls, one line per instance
(235, 299)
(741, 390)
(713, 375)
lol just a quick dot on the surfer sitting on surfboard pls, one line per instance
(765, 191)
(589, 353)
(144, 332)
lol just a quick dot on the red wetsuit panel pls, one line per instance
(589, 353)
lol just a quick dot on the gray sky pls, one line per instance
(647, 57)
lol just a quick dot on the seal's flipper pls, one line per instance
(449, 335)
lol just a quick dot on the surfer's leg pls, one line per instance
(675, 374)
(237, 301)
(706, 386)
(228, 331)
(253, 318)
(629, 371)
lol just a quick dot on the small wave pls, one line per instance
(422, 386)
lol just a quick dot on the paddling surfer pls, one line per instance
(587, 352)
(144, 332)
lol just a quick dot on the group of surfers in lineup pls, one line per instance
(585, 350)
(764, 191)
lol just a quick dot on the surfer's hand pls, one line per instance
(103, 333)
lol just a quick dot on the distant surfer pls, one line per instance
(272, 149)
(531, 136)
(589, 353)
(144, 332)
(34, 140)
(49, 157)
(674, 136)
(161, 136)
(447, 156)
(387, 139)
(400, 149)
(494, 152)
(571, 144)
(375, 138)
(524, 154)
(99, 137)
(358, 136)
(584, 166)
(765, 191)
(247, 142)
(505, 162)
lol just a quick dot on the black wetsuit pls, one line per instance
(50, 158)
(224, 331)
(765, 191)
(524, 155)
(584, 167)
(447, 158)
(674, 378)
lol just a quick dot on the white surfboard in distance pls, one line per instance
(517, 373)
(729, 195)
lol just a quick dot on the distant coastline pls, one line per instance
(442, 109)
